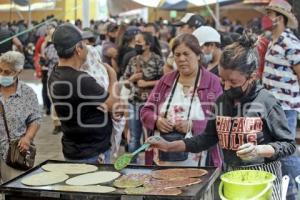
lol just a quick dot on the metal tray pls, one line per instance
(15, 187)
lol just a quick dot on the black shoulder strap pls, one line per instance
(171, 96)
(199, 74)
(4, 120)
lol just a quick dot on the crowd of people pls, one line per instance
(227, 98)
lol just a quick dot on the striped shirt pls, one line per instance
(278, 76)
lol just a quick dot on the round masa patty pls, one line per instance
(44, 178)
(69, 168)
(172, 183)
(167, 174)
(131, 180)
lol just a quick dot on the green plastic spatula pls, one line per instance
(126, 158)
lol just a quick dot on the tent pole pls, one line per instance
(86, 14)
(10, 11)
(29, 13)
(217, 14)
(210, 11)
(75, 16)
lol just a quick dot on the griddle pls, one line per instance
(14, 187)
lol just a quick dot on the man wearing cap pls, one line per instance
(209, 40)
(282, 72)
(187, 24)
(76, 97)
(190, 22)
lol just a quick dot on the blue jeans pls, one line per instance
(94, 159)
(291, 164)
(135, 127)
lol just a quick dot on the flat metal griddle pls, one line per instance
(192, 192)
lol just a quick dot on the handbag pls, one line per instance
(175, 135)
(15, 158)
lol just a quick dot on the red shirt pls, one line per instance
(262, 48)
(37, 52)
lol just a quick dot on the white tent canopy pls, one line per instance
(33, 7)
(156, 3)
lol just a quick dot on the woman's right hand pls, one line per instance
(164, 125)
(157, 142)
(135, 77)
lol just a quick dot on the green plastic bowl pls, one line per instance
(246, 184)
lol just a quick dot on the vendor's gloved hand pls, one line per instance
(250, 151)
(158, 143)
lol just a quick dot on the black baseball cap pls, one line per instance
(192, 20)
(88, 34)
(132, 31)
(65, 37)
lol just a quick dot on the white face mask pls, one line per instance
(208, 58)
(6, 81)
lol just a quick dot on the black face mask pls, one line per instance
(102, 36)
(236, 93)
(139, 49)
(112, 39)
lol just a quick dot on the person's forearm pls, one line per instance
(112, 76)
(113, 88)
(114, 65)
(43, 46)
(31, 131)
(266, 151)
(176, 146)
(201, 142)
(282, 149)
(114, 93)
(296, 69)
(132, 79)
(18, 44)
(151, 83)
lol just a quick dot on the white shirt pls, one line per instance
(178, 110)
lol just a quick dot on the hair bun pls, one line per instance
(247, 40)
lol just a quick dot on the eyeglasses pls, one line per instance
(7, 72)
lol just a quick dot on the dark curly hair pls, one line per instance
(241, 56)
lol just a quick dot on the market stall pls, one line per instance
(202, 189)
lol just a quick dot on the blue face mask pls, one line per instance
(208, 58)
(6, 81)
